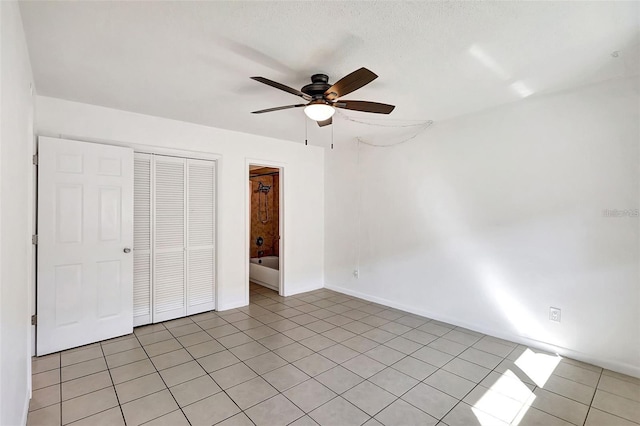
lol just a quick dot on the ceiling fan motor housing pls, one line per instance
(319, 85)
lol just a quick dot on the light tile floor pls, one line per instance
(321, 358)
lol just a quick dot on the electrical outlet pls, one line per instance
(356, 273)
(554, 314)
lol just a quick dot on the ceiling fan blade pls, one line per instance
(278, 108)
(254, 55)
(349, 83)
(326, 122)
(282, 87)
(365, 106)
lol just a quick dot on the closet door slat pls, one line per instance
(201, 236)
(142, 204)
(169, 203)
(169, 242)
(169, 286)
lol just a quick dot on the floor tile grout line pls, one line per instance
(337, 364)
(438, 368)
(336, 397)
(310, 377)
(113, 385)
(94, 414)
(298, 407)
(538, 387)
(527, 407)
(418, 408)
(523, 404)
(130, 380)
(386, 366)
(461, 400)
(166, 387)
(227, 349)
(44, 406)
(633, 381)
(567, 397)
(89, 393)
(214, 380)
(60, 377)
(637, 401)
(614, 415)
(80, 362)
(594, 397)
(383, 408)
(69, 399)
(414, 328)
(85, 375)
(558, 394)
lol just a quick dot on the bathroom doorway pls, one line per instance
(265, 228)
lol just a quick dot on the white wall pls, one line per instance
(488, 220)
(16, 141)
(303, 169)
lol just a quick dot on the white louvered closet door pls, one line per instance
(142, 207)
(169, 271)
(200, 236)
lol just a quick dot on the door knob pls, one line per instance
(127, 250)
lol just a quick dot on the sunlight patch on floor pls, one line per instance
(509, 398)
(496, 405)
(538, 366)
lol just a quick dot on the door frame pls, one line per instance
(140, 148)
(281, 216)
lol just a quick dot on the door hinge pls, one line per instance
(34, 320)
(34, 239)
(34, 159)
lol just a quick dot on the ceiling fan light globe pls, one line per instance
(319, 112)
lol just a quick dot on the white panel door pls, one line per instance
(200, 236)
(85, 231)
(142, 243)
(169, 271)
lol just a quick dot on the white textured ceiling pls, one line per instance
(192, 61)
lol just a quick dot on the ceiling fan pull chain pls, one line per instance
(331, 137)
(306, 141)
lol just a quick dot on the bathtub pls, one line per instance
(265, 271)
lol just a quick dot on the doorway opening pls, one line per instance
(265, 224)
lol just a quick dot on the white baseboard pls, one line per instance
(304, 289)
(25, 409)
(232, 305)
(613, 365)
(265, 284)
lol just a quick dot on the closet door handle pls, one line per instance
(127, 250)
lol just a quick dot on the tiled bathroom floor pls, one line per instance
(321, 358)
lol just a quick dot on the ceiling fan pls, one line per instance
(323, 97)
